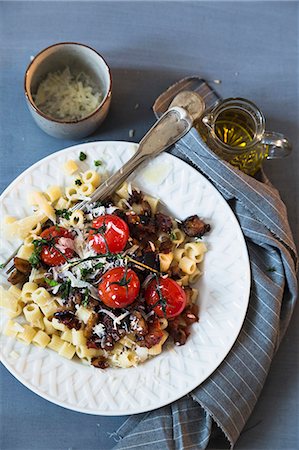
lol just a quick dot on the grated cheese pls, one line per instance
(64, 96)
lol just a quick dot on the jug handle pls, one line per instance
(279, 145)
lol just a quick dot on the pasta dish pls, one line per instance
(109, 284)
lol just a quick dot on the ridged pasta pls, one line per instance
(194, 277)
(91, 176)
(8, 300)
(27, 291)
(86, 189)
(122, 191)
(27, 335)
(53, 193)
(165, 261)
(67, 350)
(187, 265)
(77, 219)
(56, 343)
(178, 236)
(25, 251)
(70, 167)
(41, 297)
(41, 339)
(195, 251)
(32, 313)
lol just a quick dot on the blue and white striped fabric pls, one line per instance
(229, 395)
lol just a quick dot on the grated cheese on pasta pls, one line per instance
(64, 96)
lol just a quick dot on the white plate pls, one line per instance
(224, 293)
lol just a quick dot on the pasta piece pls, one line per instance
(9, 219)
(183, 281)
(39, 324)
(25, 251)
(122, 191)
(77, 219)
(36, 230)
(91, 176)
(126, 359)
(78, 337)
(153, 202)
(187, 265)
(67, 336)
(178, 236)
(56, 343)
(70, 167)
(58, 325)
(128, 341)
(178, 254)
(43, 205)
(62, 203)
(72, 193)
(196, 251)
(19, 310)
(163, 323)
(27, 335)
(41, 297)
(8, 300)
(27, 291)
(165, 261)
(10, 329)
(41, 339)
(194, 276)
(157, 349)
(88, 353)
(48, 326)
(21, 228)
(83, 314)
(194, 295)
(86, 189)
(53, 193)
(32, 313)
(15, 291)
(49, 309)
(67, 350)
(122, 204)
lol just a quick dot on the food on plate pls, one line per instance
(66, 96)
(109, 284)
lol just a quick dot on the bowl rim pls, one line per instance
(28, 95)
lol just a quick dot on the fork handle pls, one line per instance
(171, 126)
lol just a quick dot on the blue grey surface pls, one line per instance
(253, 48)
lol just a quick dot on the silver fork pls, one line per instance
(168, 129)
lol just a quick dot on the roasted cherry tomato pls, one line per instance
(60, 248)
(119, 287)
(167, 296)
(112, 236)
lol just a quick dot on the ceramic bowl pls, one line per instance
(77, 57)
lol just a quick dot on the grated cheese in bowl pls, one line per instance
(64, 96)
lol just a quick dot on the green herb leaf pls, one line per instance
(34, 260)
(172, 236)
(97, 162)
(82, 156)
(64, 213)
(65, 290)
(78, 182)
(2, 266)
(51, 283)
(85, 298)
(271, 269)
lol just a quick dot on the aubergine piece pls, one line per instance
(193, 226)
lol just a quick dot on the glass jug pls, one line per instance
(235, 130)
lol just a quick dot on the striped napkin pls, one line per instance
(229, 395)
